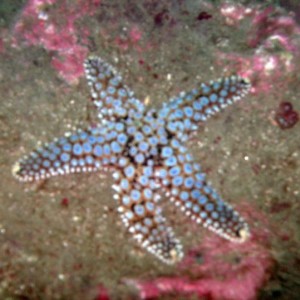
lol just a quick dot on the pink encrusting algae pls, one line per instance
(132, 41)
(218, 270)
(273, 37)
(52, 25)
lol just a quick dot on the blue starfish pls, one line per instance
(146, 151)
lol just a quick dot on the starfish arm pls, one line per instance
(186, 186)
(187, 110)
(83, 151)
(113, 99)
(141, 214)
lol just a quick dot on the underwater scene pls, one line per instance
(149, 150)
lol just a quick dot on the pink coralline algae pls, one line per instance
(273, 37)
(65, 202)
(234, 13)
(101, 293)
(217, 270)
(286, 117)
(269, 24)
(131, 40)
(52, 25)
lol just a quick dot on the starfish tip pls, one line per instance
(244, 234)
(16, 168)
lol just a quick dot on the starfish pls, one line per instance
(145, 149)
